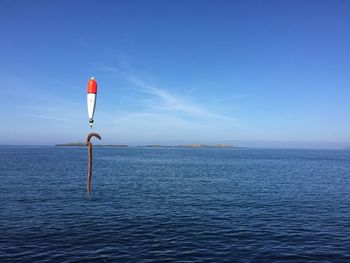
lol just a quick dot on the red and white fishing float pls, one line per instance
(91, 99)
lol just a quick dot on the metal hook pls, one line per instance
(89, 144)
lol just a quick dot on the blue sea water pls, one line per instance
(172, 204)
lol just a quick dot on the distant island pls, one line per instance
(153, 145)
(79, 144)
(192, 146)
(206, 146)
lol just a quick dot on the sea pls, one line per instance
(174, 205)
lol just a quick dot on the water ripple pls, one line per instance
(184, 205)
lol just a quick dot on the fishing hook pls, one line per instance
(89, 144)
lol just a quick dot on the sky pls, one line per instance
(247, 73)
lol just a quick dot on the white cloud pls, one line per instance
(46, 117)
(165, 100)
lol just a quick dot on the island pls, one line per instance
(79, 144)
(191, 146)
(206, 146)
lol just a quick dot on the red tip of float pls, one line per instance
(92, 86)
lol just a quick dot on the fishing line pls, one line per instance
(92, 53)
(91, 90)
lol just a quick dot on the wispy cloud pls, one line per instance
(52, 112)
(164, 100)
(45, 117)
(173, 103)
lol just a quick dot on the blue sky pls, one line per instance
(249, 73)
